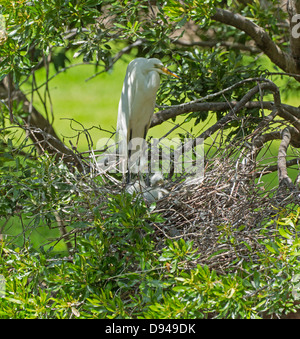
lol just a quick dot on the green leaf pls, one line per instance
(256, 279)
(13, 300)
(79, 224)
(271, 249)
(218, 252)
(284, 233)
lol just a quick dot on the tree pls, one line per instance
(227, 221)
(34, 31)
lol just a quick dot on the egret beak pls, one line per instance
(167, 71)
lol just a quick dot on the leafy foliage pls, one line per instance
(116, 272)
(121, 266)
(33, 27)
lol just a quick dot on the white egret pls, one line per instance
(136, 106)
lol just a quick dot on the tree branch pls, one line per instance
(291, 118)
(191, 106)
(226, 44)
(283, 177)
(290, 114)
(234, 110)
(274, 168)
(40, 130)
(261, 38)
(240, 104)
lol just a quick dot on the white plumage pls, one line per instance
(136, 106)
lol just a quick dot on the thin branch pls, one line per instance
(293, 75)
(123, 51)
(283, 176)
(232, 114)
(291, 118)
(190, 106)
(62, 70)
(274, 168)
(214, 43)
(259, 142)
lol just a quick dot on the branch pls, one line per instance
(187, 107)
(40, 130)
(261, 38)
(123, 51)
(174, 111)
(226, 44)
(274, 168)
(283, 177)
(295, 111)
(46, 142)
(240, 104)
(232, 114)
(291, 118)
(257, 144)
(287, 136)
(260, 140)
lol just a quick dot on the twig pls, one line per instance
(283, 176)
(125, 50)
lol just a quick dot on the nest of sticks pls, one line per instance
(223, 213)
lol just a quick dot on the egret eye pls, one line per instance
(166, 70)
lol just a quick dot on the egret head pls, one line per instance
(157, 65)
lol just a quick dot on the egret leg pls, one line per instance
(148, 173)
(128, 177)
(129, 151)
